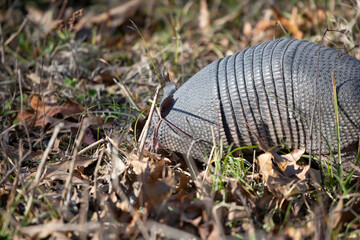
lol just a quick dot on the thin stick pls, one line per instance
(91, 146)
(208, 164)
(218, 220)
(78, 142)
(22, 115)
(8, 173)
(41, 167)
(84, 208)
(190, 161)
(62, 9)
(253, 169)
(127, 94)
(10, 128)
(17, 32)
(14, 187)
(96, 171)
(57, 129)
(145, 131)
(211, 155)
(2, 46)
(73, 54)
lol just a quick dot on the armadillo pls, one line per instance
(267, 92)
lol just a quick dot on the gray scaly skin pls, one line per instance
(270, 87)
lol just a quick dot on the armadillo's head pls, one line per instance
(180, 125)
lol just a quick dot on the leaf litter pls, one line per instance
(43, 113)
(113, 193)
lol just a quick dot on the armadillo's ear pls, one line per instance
(167, 100)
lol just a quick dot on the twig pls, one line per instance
(190, 161)
(253, 169)
(62, 9)
(145, 131)
(57, 129)
(2, 46)
(8, 173)
(73, 53)
(14, 187)
(208, 164)
(127, 94)
(96, 171)
(115, 144)
(78, 142)
(22, 115)
(91, 146)
(41, 167)
(112, 151)
(17, 32)
(218, 219)
(9, 129)
(84, 208)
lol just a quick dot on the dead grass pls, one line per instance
(68, 165)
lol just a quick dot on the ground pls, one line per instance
(78, 77)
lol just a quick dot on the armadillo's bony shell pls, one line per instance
(269, 86)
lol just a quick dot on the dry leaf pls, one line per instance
(209, 230)
(44, 19)
(287, 163)
(60, 175)
(113, 18)
(34, 77)
(215, 232)
(38, 117)
(14, 153)
(277, 182)
(290, 25)
(293, 233)
(263, 25)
